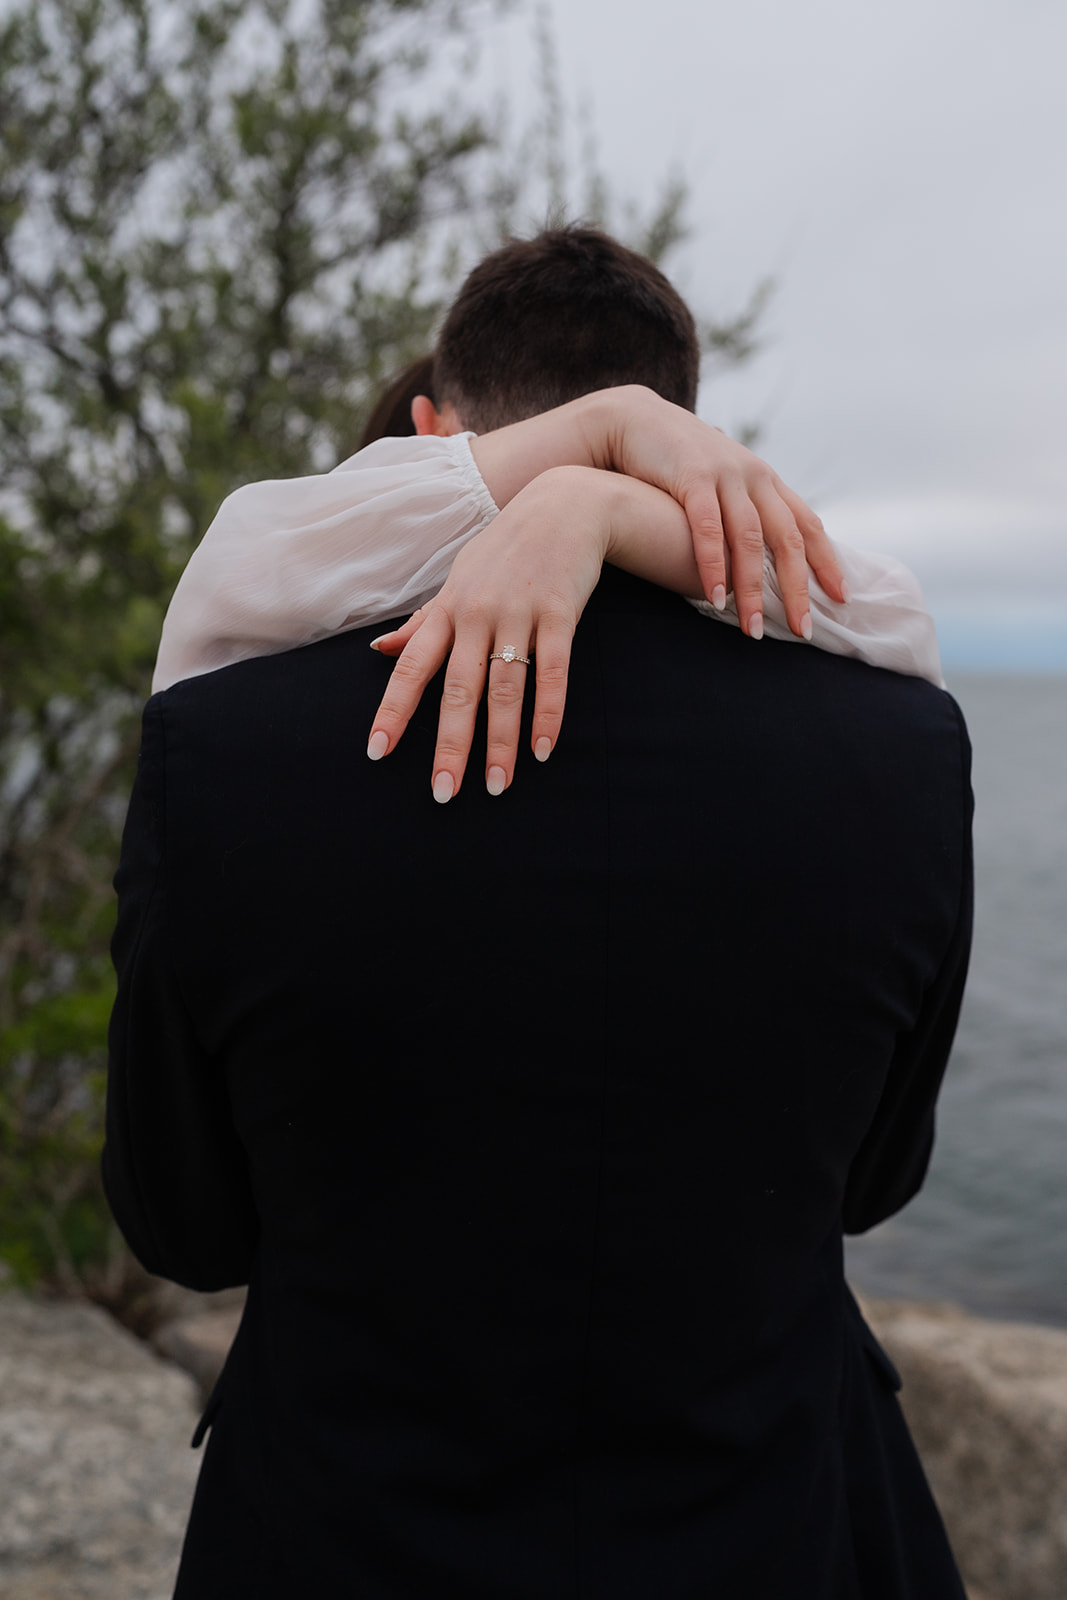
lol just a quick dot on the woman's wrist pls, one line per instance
(587, 432)
(649, 534)
(613, 518)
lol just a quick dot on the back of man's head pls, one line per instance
(544, 320)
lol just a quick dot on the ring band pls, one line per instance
(509, 653)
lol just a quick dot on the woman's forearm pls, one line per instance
(618, 519)
(649, 534)
(578, 434)
(627, 429)
(733, 502)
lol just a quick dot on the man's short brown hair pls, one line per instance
(544, 320)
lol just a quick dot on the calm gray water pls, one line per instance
(989, 1230)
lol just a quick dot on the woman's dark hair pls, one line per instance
(544, 320)
(391, 417)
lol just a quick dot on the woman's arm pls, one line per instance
(735, 505)
(287, 562)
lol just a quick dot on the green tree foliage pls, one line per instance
(221, 224)
(213, 244)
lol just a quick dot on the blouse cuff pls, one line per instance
(473, 480)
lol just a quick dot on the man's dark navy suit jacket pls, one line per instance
(534, 1122)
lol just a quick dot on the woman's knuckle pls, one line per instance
(750, 541)
(407, 667)
(504, 693)
(457, 695)
(557, 619)
(471, 613)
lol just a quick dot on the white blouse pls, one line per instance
(289, 561)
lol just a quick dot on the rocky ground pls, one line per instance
(96, 1473)
(987, 1405)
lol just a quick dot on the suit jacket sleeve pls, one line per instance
(174, 1170)
(890, 1165)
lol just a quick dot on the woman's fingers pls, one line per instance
(702, 507)
(549, 661)
(552, 663)
(432, 642)
(742, 514)
(391, 644)
(744, 536)
(507, 688)
(469, 666)
(460, 698)
(820, 553)
(525, 577)
(422, 657)
(786, 543)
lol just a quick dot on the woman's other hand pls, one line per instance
(734, 502)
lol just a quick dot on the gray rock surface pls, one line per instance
(96, 1473)
(987, 1405)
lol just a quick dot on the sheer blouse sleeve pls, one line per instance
(885, 623)
(290, 561)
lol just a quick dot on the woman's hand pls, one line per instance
(521, 584)
(735, 504)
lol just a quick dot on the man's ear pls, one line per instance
(428, 420)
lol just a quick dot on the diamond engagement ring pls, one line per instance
(509, 653)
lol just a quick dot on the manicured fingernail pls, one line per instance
(377, 745)
(755, 625)
(718, 597)
(496, 780)
(376, 644)
(443, 787)
(805, 625)
(543, 748)
(846, 593)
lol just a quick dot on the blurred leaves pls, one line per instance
(221, 226)
(216, 232)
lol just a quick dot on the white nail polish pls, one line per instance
(543, 748)
(376, 644)
(805, 625)
(718, 597)
(496, 780)
(377, 745)
(847, 592)
(755, 626)
(443, 788)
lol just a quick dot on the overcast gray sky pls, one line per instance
(900, 170)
